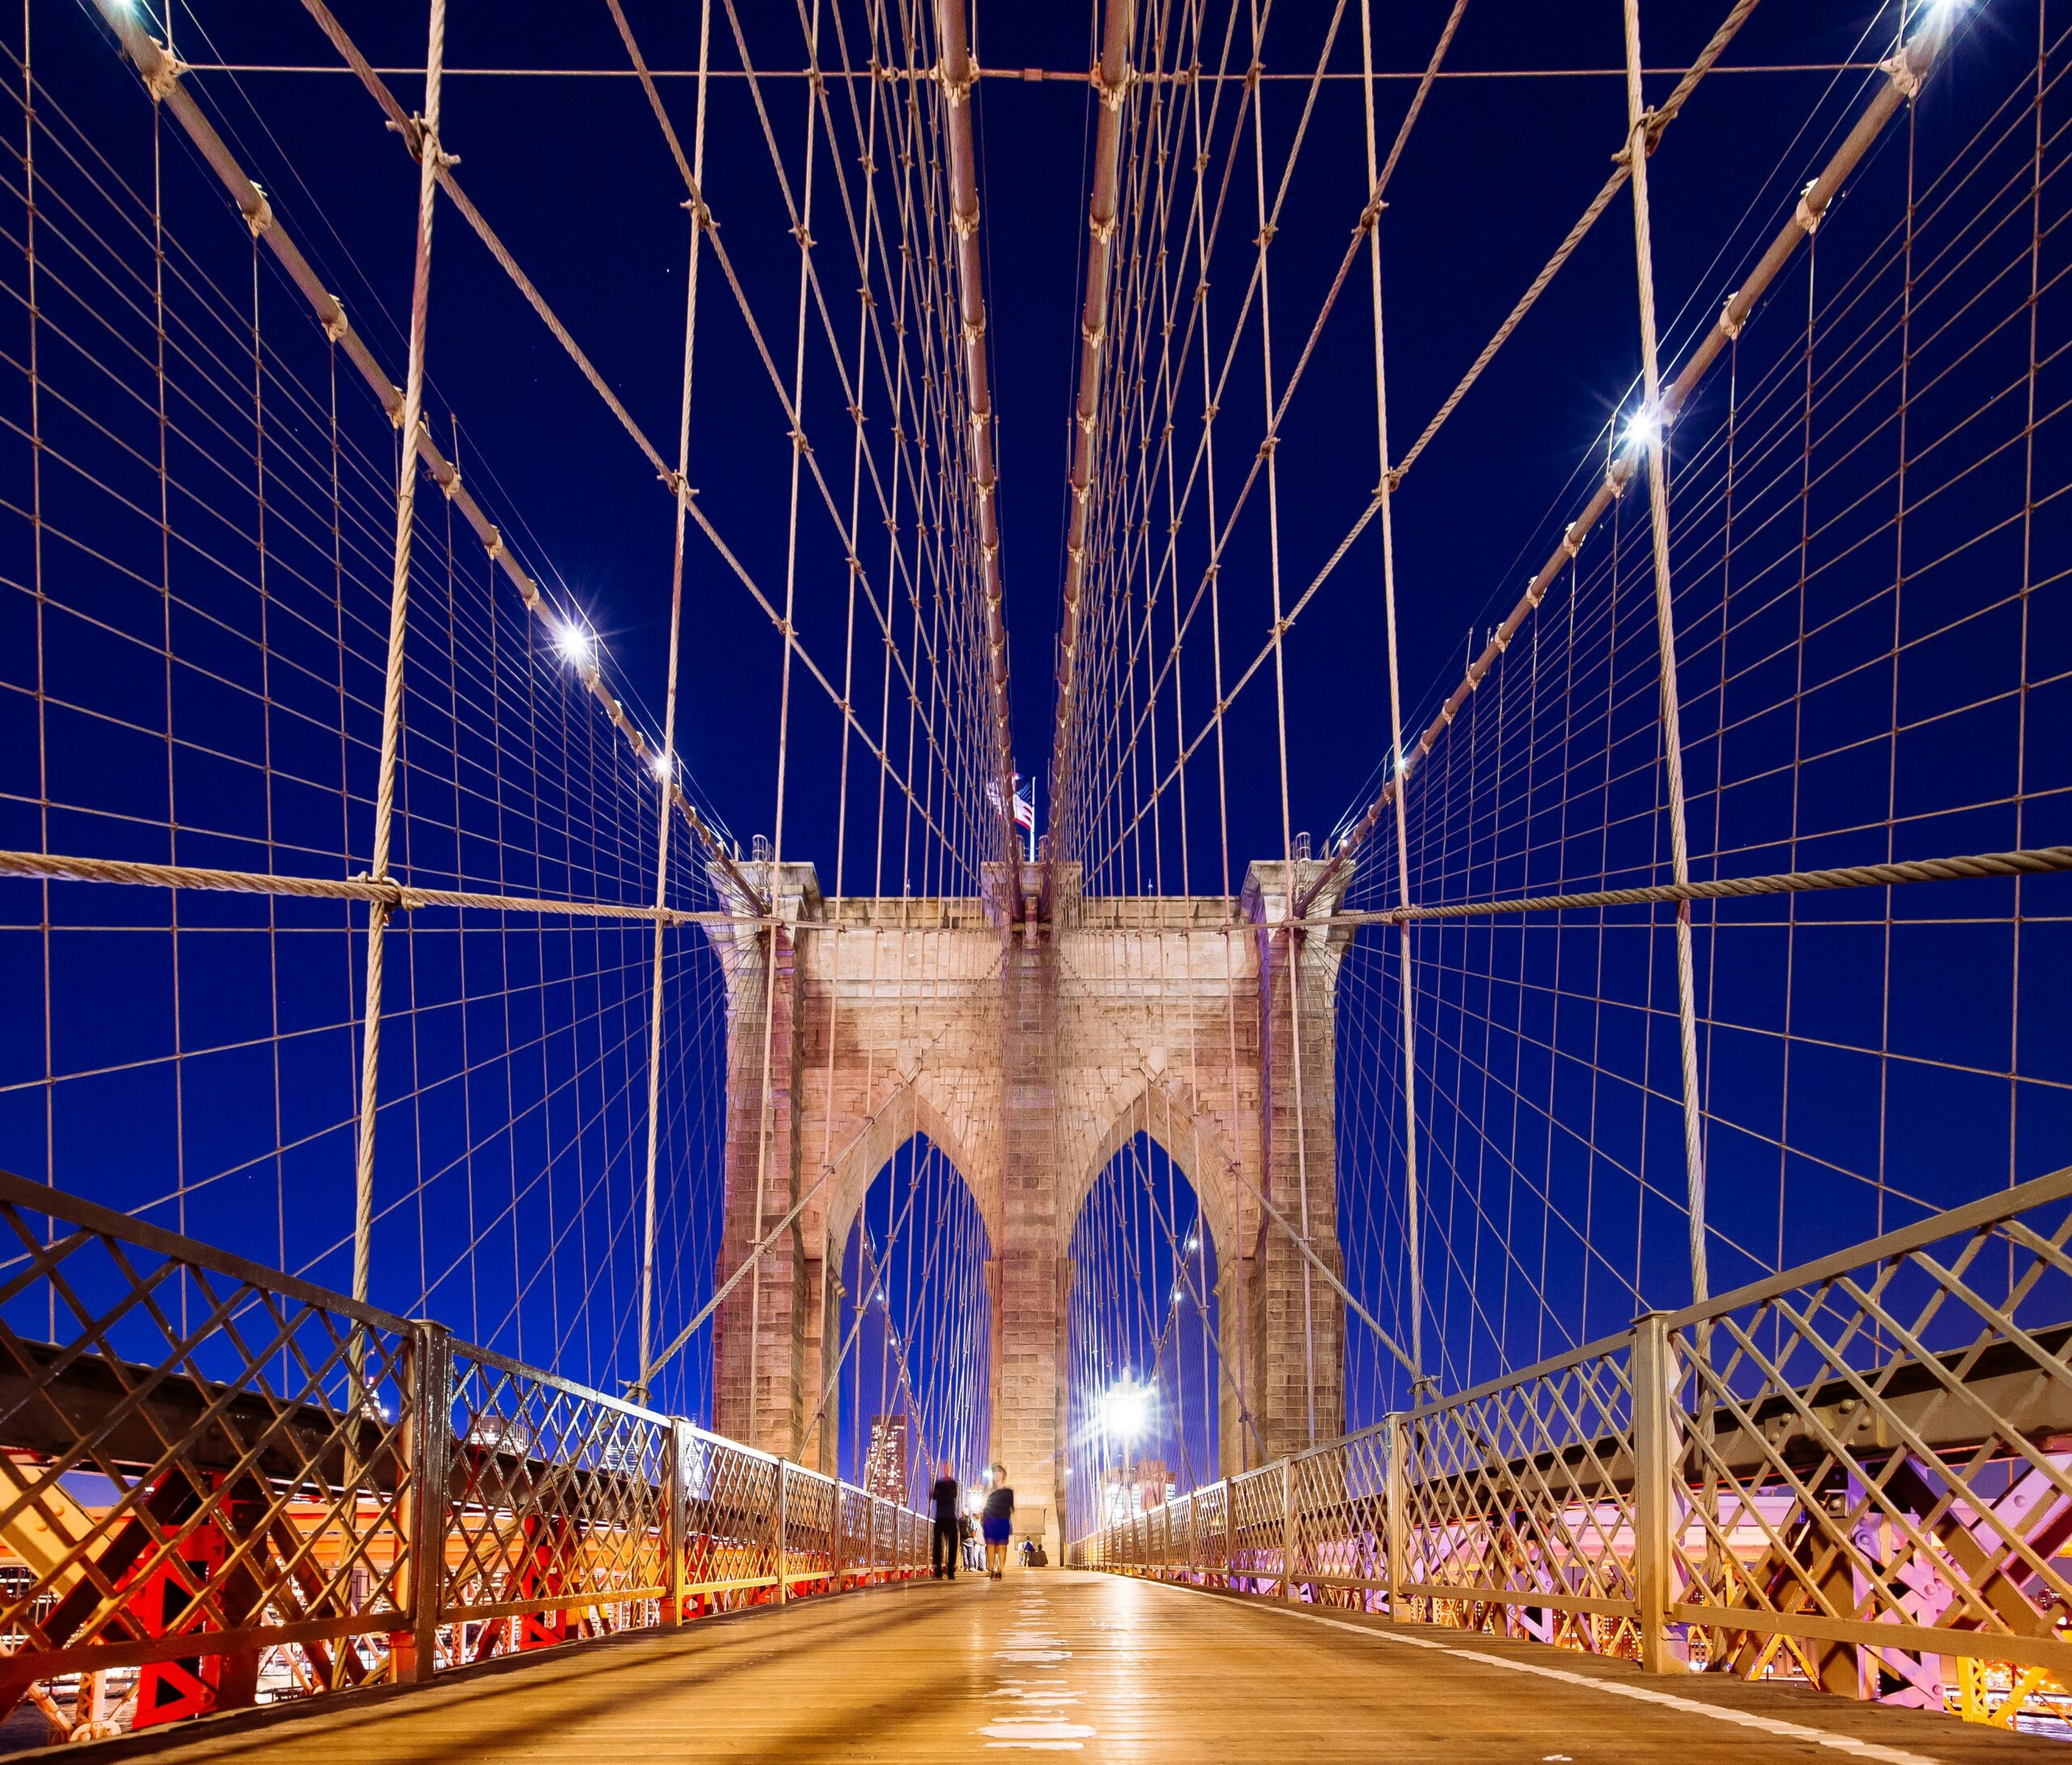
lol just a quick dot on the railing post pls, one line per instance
(1288, 1528)
(1229, 1534)
(1394, 1517)
(428, 1457)
(1653, 1503)
(675, 1518)
(783, 1534)
(840, 1510)
(870, 1517)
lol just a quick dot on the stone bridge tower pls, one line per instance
(1029, 1053)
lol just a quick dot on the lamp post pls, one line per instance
(1127, 1411)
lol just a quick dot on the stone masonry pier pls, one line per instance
(1030, 1053)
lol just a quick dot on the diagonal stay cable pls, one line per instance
(1902, 78)
(501, 252)
(1729, 27)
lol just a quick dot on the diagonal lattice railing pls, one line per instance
(224, 1485)
(1858, 1474)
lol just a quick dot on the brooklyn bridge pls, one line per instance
(1432, 1118)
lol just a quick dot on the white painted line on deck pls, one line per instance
(1748, 1718)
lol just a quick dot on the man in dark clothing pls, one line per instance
(942, 1547)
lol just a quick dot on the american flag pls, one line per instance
(1025, 808)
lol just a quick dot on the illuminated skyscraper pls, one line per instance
(885, 1465)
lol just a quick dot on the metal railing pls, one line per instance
(1857, 1473)
(220, 1485)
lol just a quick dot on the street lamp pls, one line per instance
(574, 644)
(1643, 430)
(1126, 1411)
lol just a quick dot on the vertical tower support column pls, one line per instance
(1300, 1369)
(1030, 1318)
(759, 1333)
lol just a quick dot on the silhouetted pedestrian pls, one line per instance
(942, 1547)
(997, 1522)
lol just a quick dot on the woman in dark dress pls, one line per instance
(997, 1522)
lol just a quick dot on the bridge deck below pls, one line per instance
(1051, 1661)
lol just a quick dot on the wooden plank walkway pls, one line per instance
(1051, 1660)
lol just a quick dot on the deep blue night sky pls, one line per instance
(1849, 694)
(574, 176)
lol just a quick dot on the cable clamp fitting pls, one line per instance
(1807, 216)
(336, 326)
(416, 134)
(1904, 76)
(1730, 326)
(260, 218)
(165, 72)
(1570, 544)
(1111, 96)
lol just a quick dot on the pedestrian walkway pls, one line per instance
(1052, 1660)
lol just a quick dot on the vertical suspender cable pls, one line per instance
(1650, 430)
(425, 140)
(1112, 84)
(773, 933)
(666, 764)
(1413, 1251)
(957, 75)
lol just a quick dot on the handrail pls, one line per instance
(206, 1466)
(1869, 1453)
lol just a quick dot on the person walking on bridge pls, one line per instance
(942, 1547)
(997, 1522)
